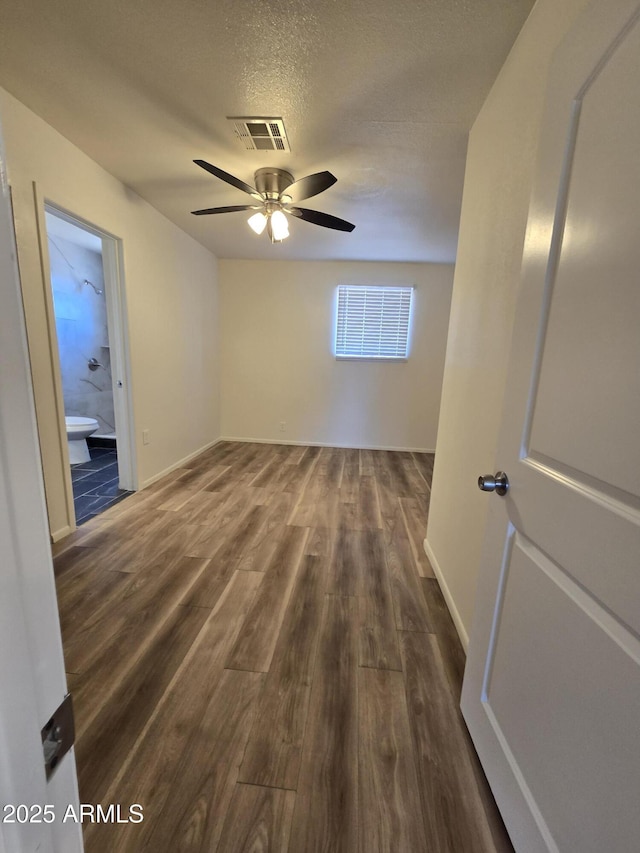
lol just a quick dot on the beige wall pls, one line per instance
(277, 364)
(170, 295)
(500, 163)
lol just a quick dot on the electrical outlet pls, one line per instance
(283, 426)
(145, 436)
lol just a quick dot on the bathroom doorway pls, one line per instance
(84, 266)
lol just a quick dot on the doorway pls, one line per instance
(92, 361)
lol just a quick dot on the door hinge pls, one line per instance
(58, 735)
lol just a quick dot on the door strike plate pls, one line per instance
(58, 735)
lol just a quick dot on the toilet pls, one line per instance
(78, 430)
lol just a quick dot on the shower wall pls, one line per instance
(81, 325)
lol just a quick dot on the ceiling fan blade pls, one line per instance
(318, 218)
(309, 186)
(229, 179)
(231, 209)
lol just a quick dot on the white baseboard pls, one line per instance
(455, 615)
(57, 535)
(322, 444)
(180, 463)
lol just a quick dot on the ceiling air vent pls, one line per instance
(260, 134)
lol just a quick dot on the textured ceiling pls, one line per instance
(381, 94)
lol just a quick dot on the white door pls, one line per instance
(32, 677)
(552, 687)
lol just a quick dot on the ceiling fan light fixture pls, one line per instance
(275, 189)
(279, 225)
(258, 222)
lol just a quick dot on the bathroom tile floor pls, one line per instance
(95, 484)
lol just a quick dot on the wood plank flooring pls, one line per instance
(261, 657)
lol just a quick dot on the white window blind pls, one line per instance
(373, 322)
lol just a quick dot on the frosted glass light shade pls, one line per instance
(257, 222)
(279, 225)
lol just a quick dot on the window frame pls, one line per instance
(369, 356)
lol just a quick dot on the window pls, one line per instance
(373, 322)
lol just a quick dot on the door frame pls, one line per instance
(113, 270)
(31, 661)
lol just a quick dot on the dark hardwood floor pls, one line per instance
(261, 658)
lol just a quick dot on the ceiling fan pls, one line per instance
(274, 193)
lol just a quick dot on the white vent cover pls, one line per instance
(260, 134)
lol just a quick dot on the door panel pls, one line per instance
(552, 686)
(551, 641)
(595, 305)
(594, 537)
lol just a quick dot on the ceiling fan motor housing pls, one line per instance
(272, 182)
